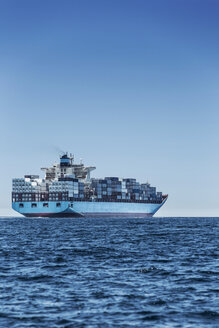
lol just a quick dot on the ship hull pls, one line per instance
(89, 209)
(117, 215)
(52, 215)
(89, 215)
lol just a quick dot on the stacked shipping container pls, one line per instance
(113, 188)
(69, 188)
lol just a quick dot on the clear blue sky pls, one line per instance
(130, 86)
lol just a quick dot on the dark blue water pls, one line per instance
(157, 272)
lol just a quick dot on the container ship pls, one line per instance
(67, 190)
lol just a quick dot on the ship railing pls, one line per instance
(118, 200)
(64, 197)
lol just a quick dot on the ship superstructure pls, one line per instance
(68, 190)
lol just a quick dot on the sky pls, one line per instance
(130, 86)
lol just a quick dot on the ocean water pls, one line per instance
(157, 272)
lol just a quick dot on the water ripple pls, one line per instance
(72, 273)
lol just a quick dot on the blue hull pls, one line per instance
(88, 209)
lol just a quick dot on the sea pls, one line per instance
(81, 272)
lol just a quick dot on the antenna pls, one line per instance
(71, 157)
